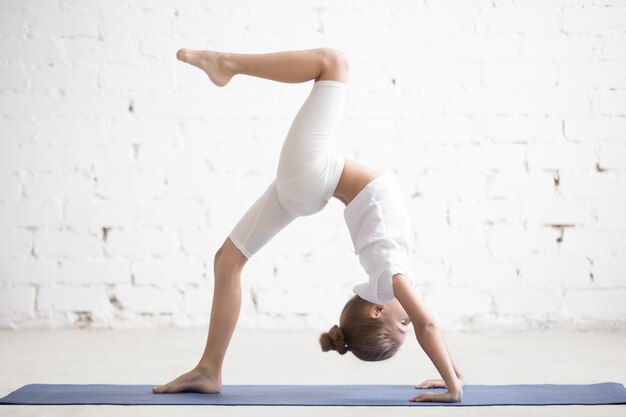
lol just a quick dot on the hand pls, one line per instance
(446, 397)
(436, 383)
(431, 383)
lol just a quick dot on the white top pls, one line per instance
(380, 230)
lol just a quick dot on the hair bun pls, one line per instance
(333, 340)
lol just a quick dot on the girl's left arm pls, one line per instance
(431, 339)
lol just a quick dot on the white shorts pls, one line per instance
(307, 174)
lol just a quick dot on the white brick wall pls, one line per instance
(122, 170)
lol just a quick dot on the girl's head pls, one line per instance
(372, 332)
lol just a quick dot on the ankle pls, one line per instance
(226, 64)
(209, 371)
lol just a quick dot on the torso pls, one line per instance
(354, 178)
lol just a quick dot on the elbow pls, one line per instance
(427, 327)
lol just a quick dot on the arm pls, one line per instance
(430, 338)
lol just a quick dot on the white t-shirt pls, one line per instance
(380, 229)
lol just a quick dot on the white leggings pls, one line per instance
(307, 174)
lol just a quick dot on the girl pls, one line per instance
(374, 323)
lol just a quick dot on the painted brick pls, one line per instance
(484, 275)
(595, 75)
(17, 300)
(119, 25)
(12, 23)
(538, 303)
(609, 102)
(16, 132)
(508, 243)
(71, 299)
(94, 271)
(501, 157)
(26, 104)
(610, 212)
(557, 211)
(596, 304)
(609, 272)
(70, 132)
(592, 185)
(612, 46)
(526, 129)
(171, 214)
(612, 156)
(522, 20)
(122, 186)
(429, 214)
(29, 215)
(593, 19)
(32, 50)
(147, 299)
(31, 158)
(123, 78)
(84, 105)
(520, 75)
(452, 243)
(10, 189)
(98, 51)
(100, 159)
(15, 242)
(134, 242)
(169, 271)
(475, 214)
(598, 129)
(105, 214)
(67, 243)
(556, 272)
(561, 156)
(51, 185)
(591, 243)
(435, 185)
(449, 301)
(197, 242)
(65, 24)
(66, 79)
(523, 185)
(198, 301)
(125, 132)
(13, 78)
(557, 47)
(21, 271)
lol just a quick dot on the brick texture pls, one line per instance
(123, 170)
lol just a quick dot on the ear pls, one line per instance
(375, 310)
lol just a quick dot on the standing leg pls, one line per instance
(287, 67)
(207, 375)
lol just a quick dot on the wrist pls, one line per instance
(457, 392)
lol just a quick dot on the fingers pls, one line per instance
(431, 383)
(432, 397)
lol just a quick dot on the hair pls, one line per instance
(366, 337)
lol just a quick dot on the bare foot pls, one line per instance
(196, 380)
(210, 62)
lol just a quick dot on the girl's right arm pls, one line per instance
(431, 340)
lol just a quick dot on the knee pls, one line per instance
(228, 259)
(335, 64)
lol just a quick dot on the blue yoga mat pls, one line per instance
(318, 395)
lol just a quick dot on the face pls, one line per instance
(397, 319)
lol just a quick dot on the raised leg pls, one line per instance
(288, 66)
(207, 375)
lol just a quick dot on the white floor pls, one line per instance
(155, 356)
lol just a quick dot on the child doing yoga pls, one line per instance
(375, 321)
